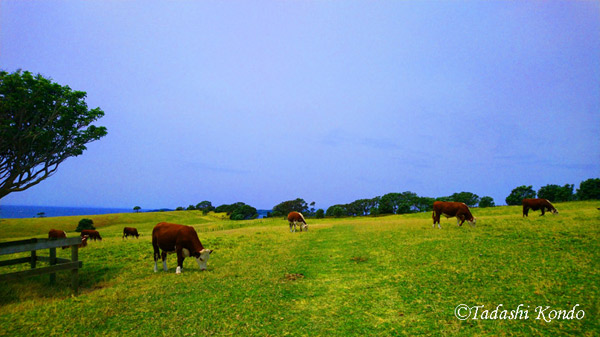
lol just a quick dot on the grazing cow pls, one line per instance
(451, 209)
(296, 218)
(130, 231)
(180, 239)
(83, 243)
(537, 204)
(93, 234)
(56, 234)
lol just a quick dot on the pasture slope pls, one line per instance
(382, 276)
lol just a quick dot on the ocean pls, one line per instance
(11, 212)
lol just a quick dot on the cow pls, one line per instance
(451, 209)
(537, 204)
(130, 231)
(83, 243)
(180, 239)
(56, 234)
(93, 234)
(296, 218)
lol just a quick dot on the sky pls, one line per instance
(328, 101)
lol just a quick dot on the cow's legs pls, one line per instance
(291, 224)
(156, 255)
(436, 219)
(164, 260)
(180, 259)
(543, 208)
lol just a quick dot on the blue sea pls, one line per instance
(9, 212)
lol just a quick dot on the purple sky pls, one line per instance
(329, 101)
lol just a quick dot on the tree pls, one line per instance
(85, 224)
(486, 202)
(555, 193)
(589, 190)
(336, 211)
(470, 199)
(320, 213)
(519, 193)
(205, 207)
(244, 212)
(137, 209)
(399, 203)
(41, 125)
(238, 211)
(284, 208)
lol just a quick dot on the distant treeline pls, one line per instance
(405, 202)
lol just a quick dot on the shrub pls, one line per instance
(320, 214)
(85, 224)
(486, 202)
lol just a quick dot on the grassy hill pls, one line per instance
(389, 275)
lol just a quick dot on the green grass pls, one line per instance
(390, 275)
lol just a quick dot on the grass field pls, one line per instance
(389, 275)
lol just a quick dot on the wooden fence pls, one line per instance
(56, 264)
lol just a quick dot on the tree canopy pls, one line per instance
(42, 123)
(517, 195)
(589, 190)
(284, 208)
(556, 193)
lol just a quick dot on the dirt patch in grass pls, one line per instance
(293, 277)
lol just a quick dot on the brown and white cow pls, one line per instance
(296, 218)
(180, 239)
(130, 231)
(93, 234)
(537, 204)
(451, 209)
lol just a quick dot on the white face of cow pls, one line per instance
(472, 223)
(203, 258)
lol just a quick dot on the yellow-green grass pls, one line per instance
(389, 275)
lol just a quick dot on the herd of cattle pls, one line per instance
(183, 240)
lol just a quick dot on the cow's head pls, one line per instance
(202, 258)
(472, 221)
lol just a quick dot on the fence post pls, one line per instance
(33, 258)
(52, 263)
(75, 272)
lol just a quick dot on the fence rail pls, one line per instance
(56, 264)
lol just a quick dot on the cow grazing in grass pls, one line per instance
(180, 239)
(451, 209)
(83, 243)
(296, 218)
(537, 204)
(130, 231)
(92, 234)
